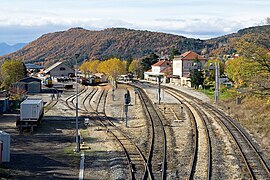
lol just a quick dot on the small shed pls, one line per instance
(5, 141)
(4, 105)
(30, 84)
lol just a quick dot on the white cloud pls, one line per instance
(193, 18)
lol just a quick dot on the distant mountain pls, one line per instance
(122, 43)
(6, 49)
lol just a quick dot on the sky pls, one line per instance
(22, 21)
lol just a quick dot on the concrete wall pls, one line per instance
(177, 67)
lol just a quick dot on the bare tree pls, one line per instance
(267, 21)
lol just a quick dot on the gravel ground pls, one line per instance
(45, 154)
(48, 152)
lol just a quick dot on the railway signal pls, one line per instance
(113, 94)
(127, 101)
(136, 92)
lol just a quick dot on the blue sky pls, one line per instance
(26, 20)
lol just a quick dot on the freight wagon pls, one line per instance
(31, 112)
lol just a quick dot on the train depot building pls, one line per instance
(59, 70)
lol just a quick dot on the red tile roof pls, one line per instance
(162, 63)
(189, 55)
(167, 70)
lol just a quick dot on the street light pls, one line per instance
(77, 123)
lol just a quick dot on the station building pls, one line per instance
(183, 66)
(163, 68)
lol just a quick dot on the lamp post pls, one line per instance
(77, 123)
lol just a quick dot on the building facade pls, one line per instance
(59, 70)
(162, 68)
(184, 64)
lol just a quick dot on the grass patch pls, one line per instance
(224, 93)
(254, 114)
(72, 156)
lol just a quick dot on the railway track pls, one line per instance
(252, 159)
(158, 146)
(70, 100)
(52, 103)
(197, 165)
(255, 164)
(136, 162)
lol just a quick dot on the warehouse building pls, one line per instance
(30, 84)
(59, 70)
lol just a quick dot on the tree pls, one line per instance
(267, 21)
(135, 67)
(112, 68)
(89, 67)
(12, 71)
(173, 52)
(93, 66)
(196, 77)
(128, 62)
(148, 61)
(235, 70)
(255, 63)
(209, 70)
(85, 68)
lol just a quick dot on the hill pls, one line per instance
(118, 42)
(223, 45)
(122, 43)
(6, 49)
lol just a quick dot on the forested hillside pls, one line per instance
(125, 44)
(117, 42)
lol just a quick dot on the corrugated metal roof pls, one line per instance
(33, 66)
(30, 79)
(52, 67)
(32, 101)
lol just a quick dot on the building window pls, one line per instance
(62, 69)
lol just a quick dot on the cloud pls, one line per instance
(24, 30)
(192, 18)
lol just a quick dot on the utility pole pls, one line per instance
(217, 75)
(77, 123)
(159, 81)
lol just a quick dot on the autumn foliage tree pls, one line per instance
(237, 70)
(253, 68)
(135, 67)
(112, 68)
(90, 67)
(12, 71)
